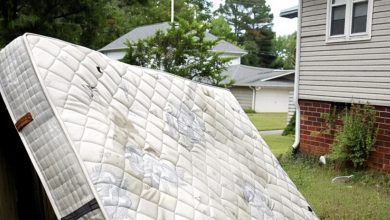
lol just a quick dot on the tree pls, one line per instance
(234, 14)
(91, 23)
(145, 12)
(76, 21)
(181, 50)
(258, 43)
(252, 25)
(221, 28)
(202, 9)
(284, 48)
(246, 15)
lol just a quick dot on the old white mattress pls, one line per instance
(114, 141)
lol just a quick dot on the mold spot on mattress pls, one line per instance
(122, 129)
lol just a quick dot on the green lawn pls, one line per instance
(279, 144)
(366, 197)
(268, 121)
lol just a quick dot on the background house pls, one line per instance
(343, 57)
(260, 89)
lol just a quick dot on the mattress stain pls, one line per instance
(123, 129)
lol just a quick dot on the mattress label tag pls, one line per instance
(23, 121)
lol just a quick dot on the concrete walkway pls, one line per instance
(271, 132)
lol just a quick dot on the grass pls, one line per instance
(268, 121)
(366, 197)
(280, 144)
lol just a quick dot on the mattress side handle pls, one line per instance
(83, 210)
(23, 121)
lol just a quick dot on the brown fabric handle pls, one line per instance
(23, 121)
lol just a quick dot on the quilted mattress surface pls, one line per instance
(115, 141)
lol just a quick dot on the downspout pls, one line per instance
(253, 97)
(296, 82)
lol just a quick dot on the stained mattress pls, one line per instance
(115, 141)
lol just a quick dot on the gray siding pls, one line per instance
(291, 105)
(349, 71)
(244, 96)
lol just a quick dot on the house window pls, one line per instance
(349, 20)
(359, 17)
(338, 18)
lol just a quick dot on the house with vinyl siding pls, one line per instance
(343, 57)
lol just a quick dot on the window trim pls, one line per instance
(348, 36)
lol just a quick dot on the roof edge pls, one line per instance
(289, 12)
(281, 75)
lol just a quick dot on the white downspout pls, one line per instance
(296, 82)
(253, 98)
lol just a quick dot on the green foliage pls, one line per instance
(221, 28)
(246, 15)
(355, 140)
(290, 128)
(181, 50)
(249, 110)
(251, 21)
(202, 9)
(365, 197)
(155, 11)
(76, 21)
(258, 43)
(91, 23)
(284, 48)
(330, 119)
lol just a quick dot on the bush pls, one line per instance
(355, 140)
(290, 128)
(249, 111)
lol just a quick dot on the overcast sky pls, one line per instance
(282, 26)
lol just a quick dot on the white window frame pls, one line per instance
(348, 35)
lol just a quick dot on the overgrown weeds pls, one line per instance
(355, 140)
(366, 196)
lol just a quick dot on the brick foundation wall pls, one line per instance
(314, 141)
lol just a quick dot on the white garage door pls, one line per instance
(272, 100)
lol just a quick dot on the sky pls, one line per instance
(282, 26)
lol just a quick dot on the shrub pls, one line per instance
(330, 120)
(249, 111)
(290, 128)
(355, 140)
